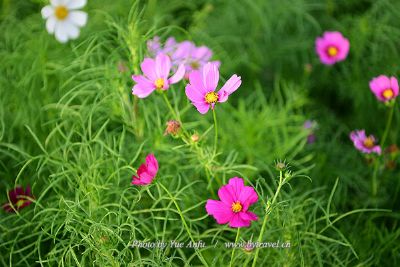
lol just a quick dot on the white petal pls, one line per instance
(61, 32)
(75, 4)
(56, 2)
(47, 11)
(51, 24)
(78, 18)
(72, 30)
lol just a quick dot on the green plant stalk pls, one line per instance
(267, 212)
(215, 131)
(185, 224)
(374, 181)
(233, 249)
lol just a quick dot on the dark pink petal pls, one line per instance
(219, 210)
(7, 207)
(227, 194)
(237, 185)
(247, 197)
(210, 76)
(394, 86)
(163, 66)
(237, 221)
(152, 164)
(248, 216)
(178, 74)
(148, 67)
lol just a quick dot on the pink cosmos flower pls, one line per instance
(146, 171)
(193, 57)
(202, 85)
(309, 124)
(155, 76)
(385, 88)
(19, 199)
(366, 144)
(332, 47)
(234, 204)
(154, 46)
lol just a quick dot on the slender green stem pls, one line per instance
(234, 247)
(184, 224)
(268, 210)
(176, 117)
(374, 181)
(215, 131)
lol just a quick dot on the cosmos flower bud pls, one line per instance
(195, 138)
(173, 127)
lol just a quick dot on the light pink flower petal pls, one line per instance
(229, 87)
(142, 91)
(219, 210)
(202, 53)
(202, 107)
(237, 221)
(178, 74)
(196, 80)
(210, 77)
(163, 66)
(394, 86)
(193, 94)
(148, 67)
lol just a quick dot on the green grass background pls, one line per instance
(70, 128)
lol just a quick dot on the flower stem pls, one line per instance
(233, 249)
(268, 210)
(388, 124)
(215, 131)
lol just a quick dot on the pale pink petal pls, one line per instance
(178, 74)
(219, 210)
(142, 91)
(163, 66)
(196, 80)
(202, 107)
(148, 67)
(229, 87)
(210, 77)
(193, 94)
(394, 86)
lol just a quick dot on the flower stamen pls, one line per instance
(332, 51)
(211, 97)
(61, 12)
(236, 207)
(388, 93)
(159, 83)
(369, 142)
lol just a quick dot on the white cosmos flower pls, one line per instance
(63, 18)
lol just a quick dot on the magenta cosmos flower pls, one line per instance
(332, 47)
(19, 199)
(202, 85)
(156, 72)
(385, 88)
(193, 57)
(366, 144)
(234, 204)
(146, 171)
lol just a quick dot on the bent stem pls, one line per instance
(234, 247)
(268, 210)
(215, 131)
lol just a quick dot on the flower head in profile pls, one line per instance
(364, 143)
(154, 46)
(173, 127)
(236, 199)
(19, 199)
(156, 74)
(385, 88)
(202, 86)
(332, 47)
(193, 57)
(146, 172)
(310, 126)
(64, 19)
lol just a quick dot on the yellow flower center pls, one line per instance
(159, 83)
(388, 93)
(195, 65)
(236, 207)
(332, 51)
(211, 97)
(369, 142)
(61, 12)
(20, 203)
